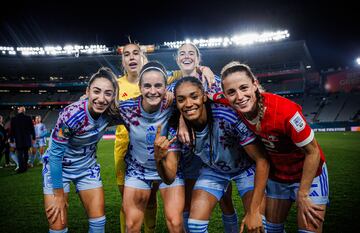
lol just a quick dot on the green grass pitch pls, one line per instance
(21, 199)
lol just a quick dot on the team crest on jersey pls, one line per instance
(63, 131)
(150, 135)
(298, 122)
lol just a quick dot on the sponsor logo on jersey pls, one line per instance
(298, 122)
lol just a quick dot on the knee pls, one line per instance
(175, 221)
(57, 225)
(132, 226)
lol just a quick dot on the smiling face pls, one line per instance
(153, 90)
(132, 59)
(188, 59)
(101, 94)
(190, 100)
(240, 90)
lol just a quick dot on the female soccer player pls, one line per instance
(220, 140)
(188, 59)
(71, 156)
(133, 60)
(298, 170)
(40, 140)
(142, 117)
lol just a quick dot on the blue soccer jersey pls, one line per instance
(142, 128)
(40, 133)
(40, 130)
(74, 141)
(225, 141)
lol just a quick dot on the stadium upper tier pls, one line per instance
(48, 83)
(263, 58)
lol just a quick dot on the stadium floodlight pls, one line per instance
(358, 60)
(236, 40)
(56, 50)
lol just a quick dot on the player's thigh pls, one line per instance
(174, 200)
(57, 225)
(93, 202)
(135, 199)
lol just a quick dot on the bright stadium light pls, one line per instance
(236, 40)
(56, 50)
(358, 60)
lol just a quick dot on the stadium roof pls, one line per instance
(271, 57)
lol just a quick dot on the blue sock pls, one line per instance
(14, 158)
(231, 224)
(97, 225)
(198, 226)
(186, 215)
(59, 231)
(275, 227)
(264, 223)
(304, 231)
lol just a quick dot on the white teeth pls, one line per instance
(190, 111)
(186, 62)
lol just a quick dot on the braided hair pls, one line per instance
(236, 66)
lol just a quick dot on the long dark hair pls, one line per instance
(196, 82)
(107, 73)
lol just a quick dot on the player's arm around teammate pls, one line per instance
(219, 140)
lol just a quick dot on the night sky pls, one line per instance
(329, 29)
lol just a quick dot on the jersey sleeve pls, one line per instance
(297, 127)
(245, 135)
(56, 153)
(212, 91)
(62, 131)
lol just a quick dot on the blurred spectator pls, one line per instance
(23, 133)
(3, 141)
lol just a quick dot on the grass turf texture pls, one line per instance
(21, 199)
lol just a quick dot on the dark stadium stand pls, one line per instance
(284, 68)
